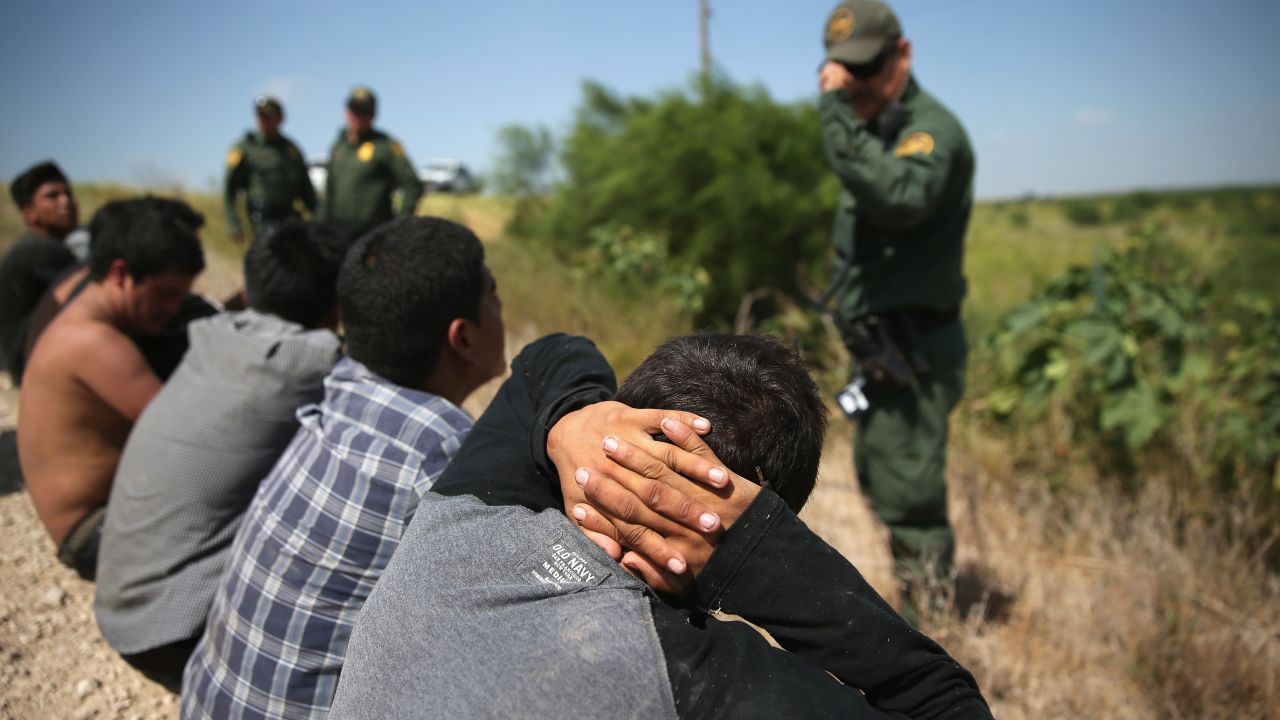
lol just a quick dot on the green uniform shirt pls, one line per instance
(905, 205)
(273, 176)
(362, 176)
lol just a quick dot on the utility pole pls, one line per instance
(704, 44)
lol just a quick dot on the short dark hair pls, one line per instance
(767, 419)
(23, 188)
(292, 272)
(179, 210)
(401, 285)
(152, 235)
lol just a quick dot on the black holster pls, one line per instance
(888, 347)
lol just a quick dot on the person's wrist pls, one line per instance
(735, 506)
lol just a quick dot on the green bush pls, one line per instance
(1133, 206)
(1082, 212)
(634, 263)
(1144, 368)
(524, 163)
(730, 184)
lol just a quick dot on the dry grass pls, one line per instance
(486, 216)
(1122, 608)
(1119, 608)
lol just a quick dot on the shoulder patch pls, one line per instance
(365, 153)
(234, 156)
(917, 143)
(840, 25)
(397, 149)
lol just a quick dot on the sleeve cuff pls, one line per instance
(737, 545)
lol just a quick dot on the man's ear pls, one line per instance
(904, 50)
(28, 213)
(118, 273)
(460, 340)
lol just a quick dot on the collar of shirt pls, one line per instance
(355, 395)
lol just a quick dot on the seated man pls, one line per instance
(86, 382)
(197, 454)
(162, 349)
(424, 329)
(492, 611)
(48, 208)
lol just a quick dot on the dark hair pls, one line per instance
(767, 419)
(400, 287)
(23, 188)
(179, 211)
(292, 272)
(152, 235)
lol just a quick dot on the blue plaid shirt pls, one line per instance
(313, 543)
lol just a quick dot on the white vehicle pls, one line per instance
(318, 171)
(447, 175)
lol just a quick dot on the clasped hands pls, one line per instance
(658, 508)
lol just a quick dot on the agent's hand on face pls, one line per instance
(834, 76)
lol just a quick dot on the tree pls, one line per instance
(525, 161)
(731, 183)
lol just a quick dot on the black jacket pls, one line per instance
(845, 652)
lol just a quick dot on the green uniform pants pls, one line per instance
(900, 455)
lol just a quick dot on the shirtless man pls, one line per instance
(86, 381)
(163, 350)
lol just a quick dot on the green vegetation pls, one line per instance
(524, 162)
(1135, 356)
(720, 182)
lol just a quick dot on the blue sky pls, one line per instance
(1057, 97)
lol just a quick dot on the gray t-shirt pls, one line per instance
(502, 612)
(192, 465)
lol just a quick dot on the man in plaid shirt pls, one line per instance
(424, 329)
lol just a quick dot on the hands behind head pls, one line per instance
(658, 508)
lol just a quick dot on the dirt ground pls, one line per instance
(55, 664)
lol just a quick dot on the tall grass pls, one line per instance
(1124, 608)
(539, 292)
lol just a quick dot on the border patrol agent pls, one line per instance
(366, 166)
(269, 169)
(906, 168)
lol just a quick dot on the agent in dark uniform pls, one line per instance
(367, 166)
(906, 168)
(269, 169)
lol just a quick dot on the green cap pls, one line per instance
(362, 101)
(858, 30)
(267, 105)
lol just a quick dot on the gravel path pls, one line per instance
(53, 662)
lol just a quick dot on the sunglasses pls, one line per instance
(872, 67)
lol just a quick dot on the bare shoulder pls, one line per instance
(72, 343)
(69, 333)
(82, 352)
